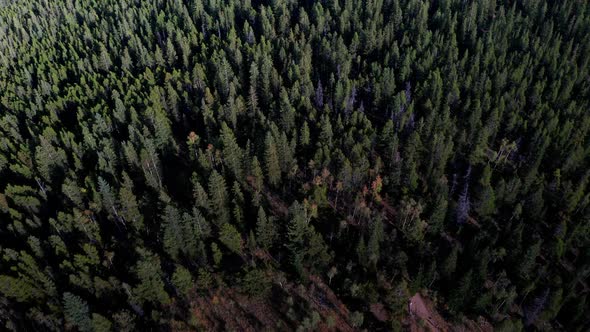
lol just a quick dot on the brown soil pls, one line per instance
(227, 309)
(424, 317)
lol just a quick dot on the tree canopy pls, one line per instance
(161, 161)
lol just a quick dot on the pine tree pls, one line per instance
(151, 285)
(101, 323)
(256, 283)
(199, 193)
(410, 165)
(77, 312)
(129, 205)
(218, 198)
(438, 214)
(257, 175)
(217, 254)
(265, 230)
(72, 191)
(450, 263)
(159, 57)
(105, 58)
(326, 133)
(173, 232)
(238, 203)
(373, 247)
(231, 152)
(150, 165)
(182, 280)
(108, 198)
(298, 232)
(412, 224)
(231, 238)
(287, 111)
(529, 260)
(126, 61)
(304, 138)
(485, 197)
(20, 289)
(170, 52)
(271, 157)
(462, 295)
(389, 142)
(49, 159)
(159, 120)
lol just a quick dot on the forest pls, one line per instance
(209, 165)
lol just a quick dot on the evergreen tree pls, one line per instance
(232, 152)
(462, 295)
(199, 193)
(528, 261)
(105, 58)
(101, 323)
(72, 191)
(182, 280)
(218, 198)
(77, 312)
(305, 135)
(450, 263)
(485, 201)
(266, 233)
(151, 285)
(230, 237)
(271, 157)
(129, 205)
(173, 232)
(258, 176)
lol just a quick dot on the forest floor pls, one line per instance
(227, 309)
(425, 317)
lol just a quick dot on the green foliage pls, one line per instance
(307, 248)
(101, 324)
(219, 198)
(266, 233)
(129, 205)
(485, 198)
(529, 260)
(182, 232)
(151, 286)
(76, 312)
(450, 263)
(256, 283)
(217, 254)
(463, 294)
(357, 319)
(231, 238)
(440, 144)
(182, 280)
(19, 289)
(231, 151)
(271, 158)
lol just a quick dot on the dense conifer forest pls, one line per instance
(180, 165)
